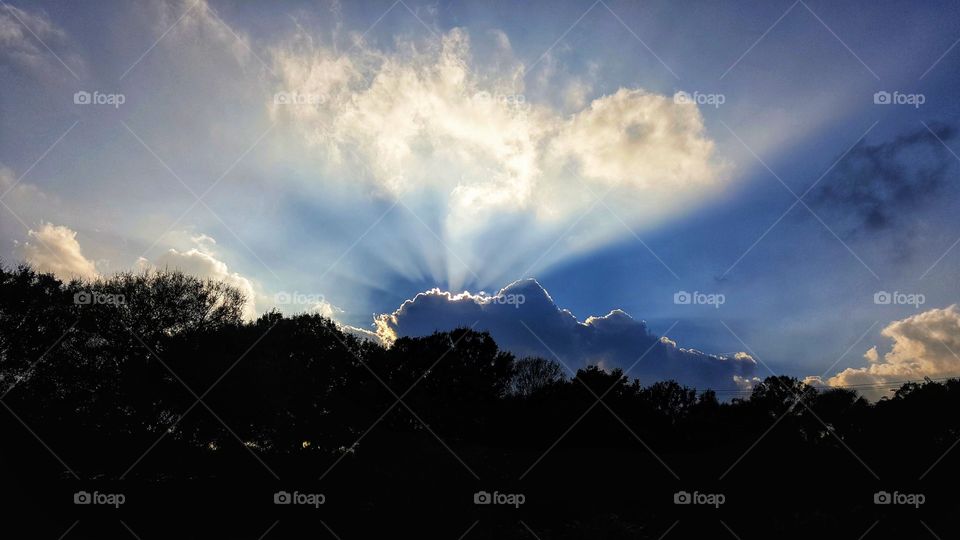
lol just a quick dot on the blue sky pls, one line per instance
(464, 146)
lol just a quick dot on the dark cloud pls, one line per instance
(536, 326)
(880, 187)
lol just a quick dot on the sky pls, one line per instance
(771, 183)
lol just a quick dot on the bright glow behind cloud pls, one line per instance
(495, 180)
(430, 124)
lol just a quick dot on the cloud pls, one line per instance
(55, 249)
(444, 110)
(433, 123)
(204, 264)
(524, 319)
(447, 125)
(438, 111)
(924, 345)
(643, 140)
(745, 385)
(25, 36)
(880, 187)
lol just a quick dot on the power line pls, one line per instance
(890, 384)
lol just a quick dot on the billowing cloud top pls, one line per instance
(524, 319)
(430, 122)
(473, 133)
(55, 249)
(924, 345)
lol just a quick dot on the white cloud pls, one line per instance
(641, 140)
(575, 94)
(613, 340)
(205, 265)
(55, 249)
(203, 262)
(325, 309)
(746, 384)
(446, 130)
(431, 122)
(924, 345)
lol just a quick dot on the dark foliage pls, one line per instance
(150, 377)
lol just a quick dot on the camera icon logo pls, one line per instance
(483, 97)
(82, 497)
(82, 298)
(282, 497)
(881, 98)
(882, 298)
(882, 497)
(682, 97)
(481, 497)
(682, 297)
(682, 497)
(82, 98)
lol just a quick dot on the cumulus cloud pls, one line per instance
(643, 140)
(438, 111)
(55, 249)
(924, 345)
(204, 264)
(462, 135)
(201, 261)
(524, 319)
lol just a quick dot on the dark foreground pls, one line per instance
(164, 415)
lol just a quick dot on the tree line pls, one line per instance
(157, 375)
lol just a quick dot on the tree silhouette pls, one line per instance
(163, 365)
